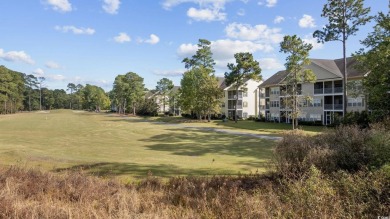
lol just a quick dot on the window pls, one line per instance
(302, 116)
(356, 102)
(303, 103)
(245, 94)
(245, 104)
(275, 103)
(315, 117)
(317, 102)
(275, 116)
(245, 115)
(275, 90)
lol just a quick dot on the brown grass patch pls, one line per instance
(34, 194)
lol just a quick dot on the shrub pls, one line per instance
(350, 145)
(310, 123)
(291, 154)
(346, 148)
(355, 118)
(380, 145)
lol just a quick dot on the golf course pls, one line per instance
(109, 145)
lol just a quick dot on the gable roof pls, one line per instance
(221, 82)
(275, 79)
(335, 67)
(175, 89)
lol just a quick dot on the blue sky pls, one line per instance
(92, 41)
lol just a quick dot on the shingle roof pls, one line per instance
(329, 65)
(275, 79)
(352, 69)
(175, 89)
(221, 82)
(335, 67)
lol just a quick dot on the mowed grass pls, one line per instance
(249, 126)
(108, 145)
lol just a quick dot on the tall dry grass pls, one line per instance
(26, 193)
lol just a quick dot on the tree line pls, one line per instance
(22, 92)
(200, 95)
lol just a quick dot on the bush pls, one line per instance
(297, 153)
(346, 148)
(350, 145)
(310, 123)
(147, 108)
(355, 118)
(252, 118)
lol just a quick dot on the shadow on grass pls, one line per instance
(276, 128)
(201, 142)
(109, 169)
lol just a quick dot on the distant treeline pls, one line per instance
(22, 92)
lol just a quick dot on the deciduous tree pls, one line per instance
(376, 60)
(128, 91)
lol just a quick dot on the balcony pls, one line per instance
(338, 106)
(328, 90)
(333, 106)
(328, 106)
(234, 97)
(318, 90)
(232, 107)
(338, 89)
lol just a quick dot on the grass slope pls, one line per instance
(249, 126)
(108, 145)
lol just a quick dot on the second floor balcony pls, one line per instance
(333, 106)
(328, 87)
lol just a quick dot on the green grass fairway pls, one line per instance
(109, 145)
(267, 128)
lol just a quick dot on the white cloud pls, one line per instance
(206, 14)
(50, 77)
(241, 12)
(122, 38)
(186, 50)
(153, 39)
(111, 6)
(169, 73)
(271, 3)
(168, 4)
(307, 21)
(278, 19)
(55, 77)
(259, 32)
(60, 5)
(270, 64)
(209, 10)
(316, 45)
(75, 30)
(52, 65)
(224, 50)
(38, 72)
(268, 3)
(16, 56)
